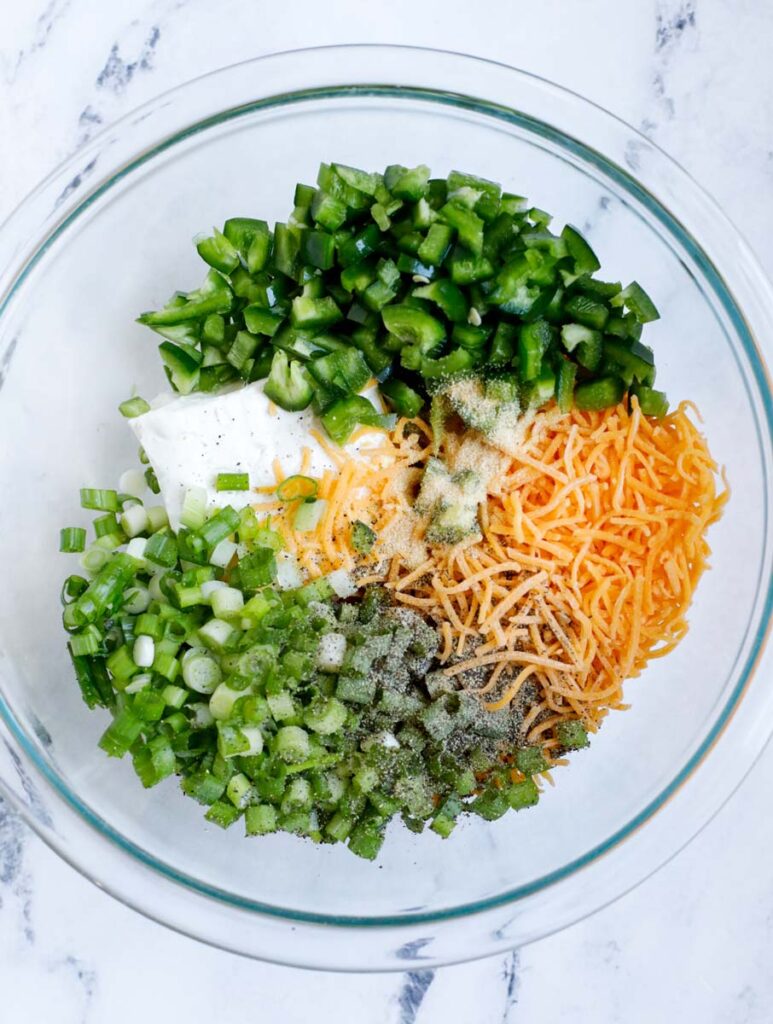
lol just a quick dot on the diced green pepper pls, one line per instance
(600, 393)
(467, 224)
(567, 374)
(251, 238)
(638, 302)
(651, 402)
(436, 245)
(358, 247)
(345, 369)
(344, 415)
(635, 360)
(586, 310)
(413, 326)
(447, 296)
(363, 538)
(585, 259)
(318, 249)
(259, 320)
(533, 341)
(289, 383)
(218, 252)
(403, 399)
(312, 314)
(286, 249)
(214, 296)
(470, 336)
(406, 184)
(455, 362)
(503, 344)
(328, 211)
(572, 734)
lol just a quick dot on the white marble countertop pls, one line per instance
(692, 943)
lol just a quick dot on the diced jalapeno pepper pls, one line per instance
(585, 259)
(218, 252)
(651, 402)
(533, 341)
(599, 394)
(467, 224)
(567, 374)
(403, 399)
(448, 296)
(413, 326)
(251, 238)
(289, 383)
(638, 302)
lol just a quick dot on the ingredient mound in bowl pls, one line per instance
(421, 512)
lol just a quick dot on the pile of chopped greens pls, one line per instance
(411, 280)
(296, 710)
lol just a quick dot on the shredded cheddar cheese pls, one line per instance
(593, 539)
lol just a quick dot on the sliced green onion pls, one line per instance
(200, 671)
(133, 482)
(103, 525)
(174, 696)
(136, 550)
(161, 549)
(101, 501)
(282, 706)
(201, 716)
(308, 515)
(223, 814)
(149, 624)
(72, 588)
(227, 603)
(288, 573)
(88, 641)
(222, 553)
(232, 482)
(157, 518)
(166, 664)
(121, 664)
(152, 480)
(222, 701)
(136, 600)
(239, 790)
(220, 526)
(139, 682)
(194, 510)
(291, 744)
(93, 559)
(217, 634)
(297, 487)
(106, 588)
(326, 717)
(121, 733)
(133, 407)
(144, 651)
(134, 521)
(72, 539)
(111, 541)
(257, 569)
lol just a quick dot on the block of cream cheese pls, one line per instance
(190, 439)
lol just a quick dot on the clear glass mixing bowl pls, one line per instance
(108, 235)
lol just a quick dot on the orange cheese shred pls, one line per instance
(593, 541)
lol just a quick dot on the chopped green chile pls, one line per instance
(415, 274)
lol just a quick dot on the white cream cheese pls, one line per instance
(190, 439)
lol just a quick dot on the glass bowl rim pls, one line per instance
(613, 172)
